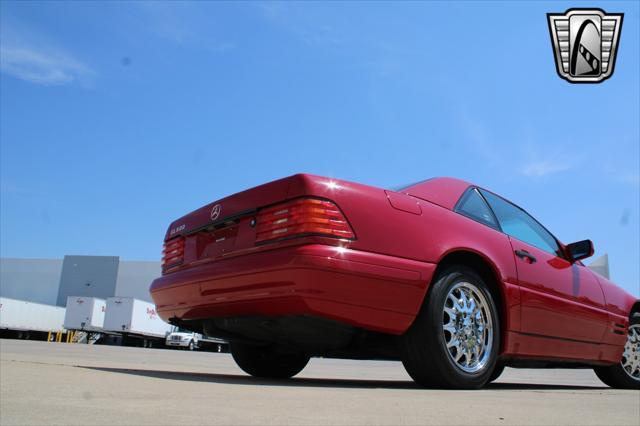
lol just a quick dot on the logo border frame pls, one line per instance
(556, 48)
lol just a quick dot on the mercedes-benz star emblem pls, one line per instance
(215, 212)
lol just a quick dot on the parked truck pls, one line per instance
(86, 316)
(185, 339)
(136, 321)
(29, 320)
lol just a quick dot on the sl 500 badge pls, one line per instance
(585, 43)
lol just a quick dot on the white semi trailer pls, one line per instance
(85, 314)
(136, 321)
(23, 319)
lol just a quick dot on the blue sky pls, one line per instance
(118, 117)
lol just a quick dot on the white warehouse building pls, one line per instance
(51, 281)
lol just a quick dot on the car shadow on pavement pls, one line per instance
(314, 382)
(538, 386)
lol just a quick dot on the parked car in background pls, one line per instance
(450, 278)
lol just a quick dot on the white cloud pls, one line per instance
(221, 46)
(545, 167)
(34, 57)
(304, 25)
(630, 178)
(168, 20)
(182, 23)
(41, 66)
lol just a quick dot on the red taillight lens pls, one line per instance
(304, 216)
(173, 253)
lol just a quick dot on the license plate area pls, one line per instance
(216, 242)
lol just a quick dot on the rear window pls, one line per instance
(474, 207)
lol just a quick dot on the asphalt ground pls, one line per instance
(58, 383)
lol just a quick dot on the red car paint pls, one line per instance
(551, 309)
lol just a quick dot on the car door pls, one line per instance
(559, 298)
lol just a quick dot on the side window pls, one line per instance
(473, 206)
(516, 222)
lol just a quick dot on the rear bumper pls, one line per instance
(366, 290)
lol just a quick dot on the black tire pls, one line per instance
(191, 346)
(615, 376)
(267, 361)
(497, 372)
(424, 352)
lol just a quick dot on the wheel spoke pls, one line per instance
(451, 312)
(464, 300)
(458, 354)
(450, 328)
(476, 351)
(455, 302)
(472, 304)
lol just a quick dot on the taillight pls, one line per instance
(172, 253)
(302, 217)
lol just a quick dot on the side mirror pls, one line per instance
(580, 250)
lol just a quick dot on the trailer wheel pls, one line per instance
(268, 361)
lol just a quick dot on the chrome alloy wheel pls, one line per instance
(631, 355)
(468, 327)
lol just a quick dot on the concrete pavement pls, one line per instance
(57, 383)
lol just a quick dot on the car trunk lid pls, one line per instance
(221, 227)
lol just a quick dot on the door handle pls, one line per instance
(523, 254)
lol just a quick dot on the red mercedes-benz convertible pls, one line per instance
(450, 278)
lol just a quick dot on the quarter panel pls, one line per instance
(618, 301)
(618, 304)
(426, 237)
